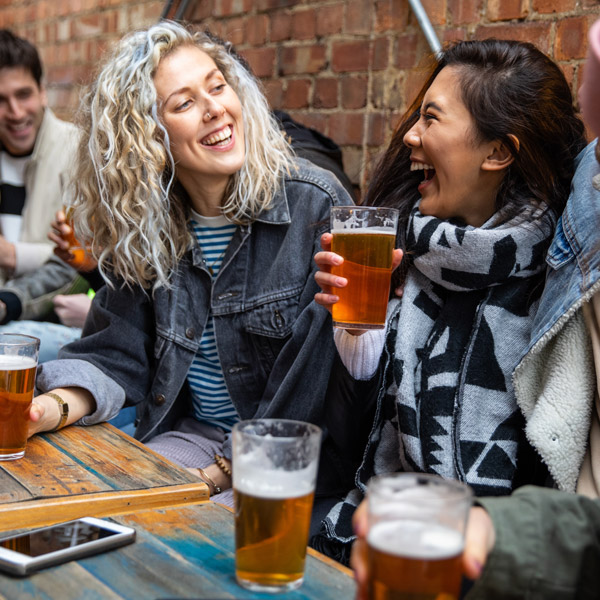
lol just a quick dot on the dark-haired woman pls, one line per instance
(480, 168)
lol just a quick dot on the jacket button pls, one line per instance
(190, 333)
(159, 400)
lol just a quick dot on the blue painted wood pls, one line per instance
(179, 553)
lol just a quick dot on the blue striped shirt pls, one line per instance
(211, 401)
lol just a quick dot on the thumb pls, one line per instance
(479, 540)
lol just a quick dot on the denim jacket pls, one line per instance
(554, 381)
(274, 342)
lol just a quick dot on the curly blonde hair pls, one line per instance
(125, 206)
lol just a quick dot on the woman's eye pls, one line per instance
(183, 105)
(219, 88)
(429, 117)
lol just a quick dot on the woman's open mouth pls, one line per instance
(428, 172)
(219, 139)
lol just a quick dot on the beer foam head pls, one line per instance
(273, 483)
(11, 362)
(365, 230)
(415, 539)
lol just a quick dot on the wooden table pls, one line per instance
(178, 553)
(89, 471)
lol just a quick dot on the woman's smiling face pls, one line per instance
(443, 142)
(202, 115)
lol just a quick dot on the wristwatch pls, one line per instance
(63, 407)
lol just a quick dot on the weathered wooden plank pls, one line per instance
(48, 471)
(11, 490)
(39, 513)
(178, 553)
(117, 459)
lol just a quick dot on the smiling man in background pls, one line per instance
(36, 149)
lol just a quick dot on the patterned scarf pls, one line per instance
(448, 406)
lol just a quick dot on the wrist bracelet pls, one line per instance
(208, 480)
(220, 462)
(63, 407)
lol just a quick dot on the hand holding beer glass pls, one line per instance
(18, 362)
(274, 474)
(415, 538)
(365, 237)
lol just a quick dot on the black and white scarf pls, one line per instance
(448, 406)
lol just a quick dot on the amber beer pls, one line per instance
(17, 376)
(368, 268)
(274, 474)
(414, 560)
(271, 536)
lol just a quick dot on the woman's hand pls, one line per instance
(324, 278)
(45, 413)
(72, 310)
(479, 540)
(217, 476)
(329, 282)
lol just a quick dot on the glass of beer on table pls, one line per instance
(416, 536)
(365, 237)
(18, 362)
(274, 474)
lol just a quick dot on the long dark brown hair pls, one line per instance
(511, 89)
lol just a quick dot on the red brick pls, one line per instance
(571, 38)
(380, 55)
(569, 73)
(281, 26)
(111, 20)
(350, 56)
(463, 12)
(304, 25)
(261, 60)
(354, 90)
(256, 30)
(358, 16)
(296, 93)
(454, 35)
(271, 4)
(538, 33)
(233, 30)
(326, 93)
(274, 93)
(391, 15)
(436, 11)
(226, 8)
(553, 6)
(406, 50)
(302, 59)
(347, 128)
(315, 120)
(330, 19)
(202, 10)
(505, 10)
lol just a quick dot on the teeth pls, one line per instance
(224, 134)
(419, 166)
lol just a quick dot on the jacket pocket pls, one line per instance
(270, 326)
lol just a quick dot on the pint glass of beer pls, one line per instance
(416, 536)
(365, 237)
(274, 474)
(18, 361)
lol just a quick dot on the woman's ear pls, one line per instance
(500, 155)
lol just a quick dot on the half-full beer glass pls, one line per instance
(274, 473)
(365, 238)
(18, 361)
(416, 536)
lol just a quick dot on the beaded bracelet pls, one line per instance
(220, 462)
(208, 480)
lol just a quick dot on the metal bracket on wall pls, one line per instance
(426, 26)
(175, 14)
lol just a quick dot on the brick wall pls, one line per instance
(345, 67)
